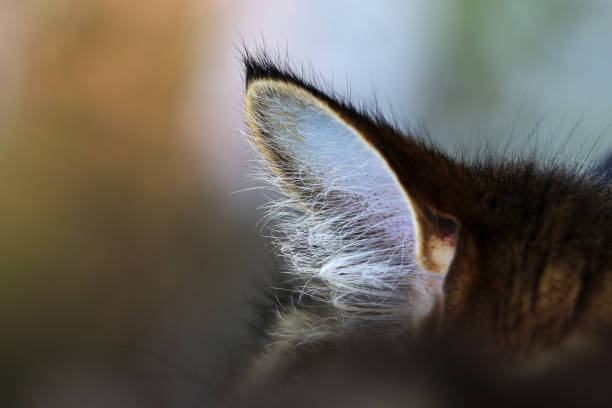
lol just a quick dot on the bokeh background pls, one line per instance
(130, 252)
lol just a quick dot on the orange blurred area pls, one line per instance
(113, 251)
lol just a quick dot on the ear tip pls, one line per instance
(261, 66)
(253, 69)
(263, 74)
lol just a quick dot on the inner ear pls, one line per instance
(308, 145)
(369, 241)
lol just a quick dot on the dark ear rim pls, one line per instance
(260, 65)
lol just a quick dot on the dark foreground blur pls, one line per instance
(443, 374)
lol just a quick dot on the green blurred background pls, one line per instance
(129, 256)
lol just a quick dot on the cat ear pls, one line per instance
(358, 171)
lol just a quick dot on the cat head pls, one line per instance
(379, 228)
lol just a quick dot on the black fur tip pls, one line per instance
(263, 64)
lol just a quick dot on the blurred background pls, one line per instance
(130, 252)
